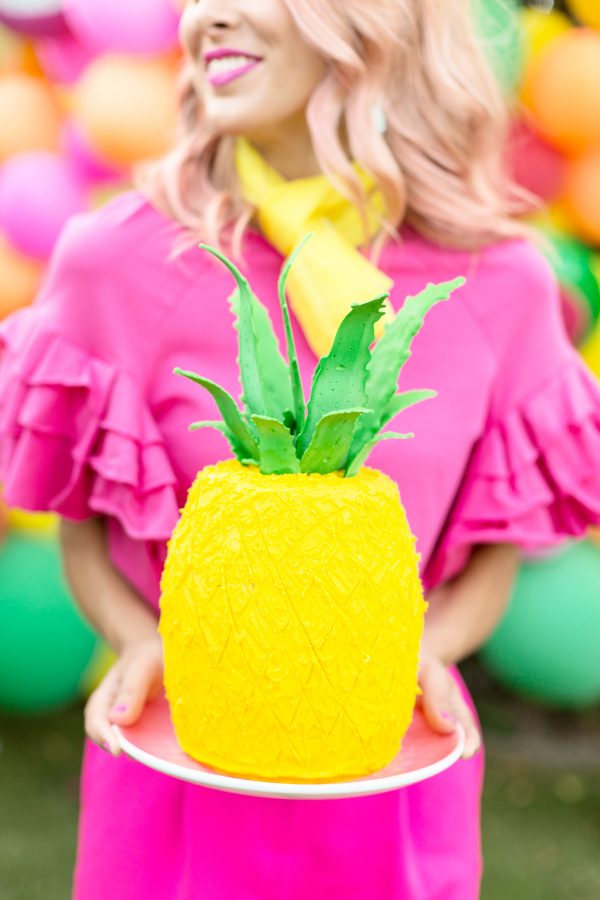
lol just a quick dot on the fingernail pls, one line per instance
(119, 709)
(106, 746)
(449, 718)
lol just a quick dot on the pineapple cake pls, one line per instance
(291, 607)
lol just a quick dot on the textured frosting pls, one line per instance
(291, 615)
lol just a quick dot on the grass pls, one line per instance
(541, 807)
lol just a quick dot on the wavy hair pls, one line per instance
(440, 162)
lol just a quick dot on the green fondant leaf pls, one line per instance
(230, 412)
(361, 457)
(277, 454)
(331, 442)
(370, 424)
(392, 351)
(266, 385)
(297, 392)
(339, 379)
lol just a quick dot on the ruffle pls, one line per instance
(78, 438)
(534, 477)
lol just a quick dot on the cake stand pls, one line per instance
(425, 753)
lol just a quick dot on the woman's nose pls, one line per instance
(217, 15)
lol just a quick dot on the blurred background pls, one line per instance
(87, 90)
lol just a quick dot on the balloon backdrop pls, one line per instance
(83, 160)
(39, 192)
(582, 194)
(574, 266)
(33, 113)
(498, 24)
(45, 645)
(562, 87)
(20, 278)
(534, 163)
(127, 26)
(539, 28)
(126, 107)
(33, 17)
(63, 58)
(546, 646)
(587, 11)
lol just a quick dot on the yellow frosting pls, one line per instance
(291, 615)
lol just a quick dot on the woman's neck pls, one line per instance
(289, 149)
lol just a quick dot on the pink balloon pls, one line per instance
(63, 58)
(83, 159)
(126, 26)
(38, 193)
(534, 163)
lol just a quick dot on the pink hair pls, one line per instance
(439, 164)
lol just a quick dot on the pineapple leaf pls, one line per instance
(339, 379)
(361, 457)
(371, 423)
(266, 385)
(392, 351)
(239, 449)
(331, 442)
(230, 412)
(277, 454)
(297, 392)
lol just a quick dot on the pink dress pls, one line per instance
(92, 422)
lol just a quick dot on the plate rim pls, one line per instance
(289, 790)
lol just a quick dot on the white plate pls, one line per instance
(425, 753)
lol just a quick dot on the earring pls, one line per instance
(379, 118)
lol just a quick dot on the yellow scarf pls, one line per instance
(330, 274)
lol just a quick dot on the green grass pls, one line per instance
(541, 807)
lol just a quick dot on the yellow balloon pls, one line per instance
(587, 11)
(20, 278)
(127, 107)
(539, 28)
(590, 350)
(40, 523)
(102, 660)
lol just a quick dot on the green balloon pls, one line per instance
(547, 646)
(573, 264)
(44, 643)
(499, 28)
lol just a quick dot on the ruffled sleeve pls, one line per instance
(533, 477)
(77, 434)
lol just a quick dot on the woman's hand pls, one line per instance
(136, 678)
(443, 703)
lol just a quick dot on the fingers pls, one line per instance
(443, 706)
(97, 724)
(140, 682)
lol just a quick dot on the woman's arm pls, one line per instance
(461, 615)
(124, 619)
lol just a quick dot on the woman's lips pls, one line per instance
(217, 79)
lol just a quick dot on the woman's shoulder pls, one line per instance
(124, 230)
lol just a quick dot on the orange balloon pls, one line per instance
(562, 89)
(29, 116)
(20, 278)
(587, 11)
(582, 195)
(127, 107)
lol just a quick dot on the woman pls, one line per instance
(95, 425)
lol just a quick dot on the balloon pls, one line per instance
(30, 108)
(127, 108)
(126, 26)
(20, 278)
(574, 267)
(39, 192)
(546, 646)
(33, 16)
(63, 58)
(562, 89)
(37, 523)
(587, 11)
(539, 28)
(534, 163)
(582, 194)
(497, 22)
(45, 645)
(83, 160)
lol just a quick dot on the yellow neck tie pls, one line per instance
(330, 274)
